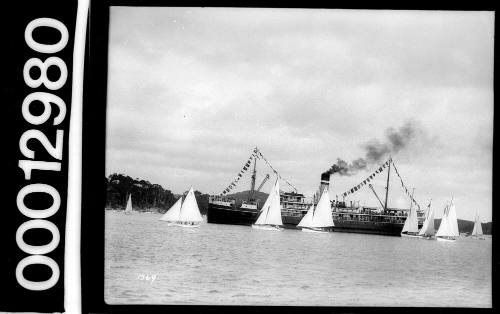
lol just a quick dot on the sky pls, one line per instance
(191, 92)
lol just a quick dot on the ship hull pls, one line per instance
(218, 214)
(368, 227)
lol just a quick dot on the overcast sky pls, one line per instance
(191, 91)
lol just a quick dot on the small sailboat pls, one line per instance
(477, 232)
(128, 208)
(448, 229)
(190, 215)
(428, 230)
(270, 215)
(410, 228)
(173, 213)
(320, 219)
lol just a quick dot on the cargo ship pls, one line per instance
(294, 206)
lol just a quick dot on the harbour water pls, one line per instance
(147, 262)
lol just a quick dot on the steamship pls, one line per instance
(346, 217)
(226, 210)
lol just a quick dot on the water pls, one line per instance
(150, 263)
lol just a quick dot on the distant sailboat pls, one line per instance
(410, 228)
(428, 230)
(448, 229)
(128, 209)
(477, 232)
(174, 212)
(270, 215)
(319, 219)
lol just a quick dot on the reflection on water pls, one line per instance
(150, 263)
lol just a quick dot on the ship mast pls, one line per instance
(387, 186)
(254, 175)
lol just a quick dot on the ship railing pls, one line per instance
(217, 198)
(365, 217)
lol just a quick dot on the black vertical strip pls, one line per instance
(16, 52)
(93, 158)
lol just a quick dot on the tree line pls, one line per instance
(146, 196)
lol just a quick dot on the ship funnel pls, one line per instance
(325, 182)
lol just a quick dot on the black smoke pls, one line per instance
(377, 151)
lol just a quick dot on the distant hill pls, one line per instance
(467, 226)
(243, 195)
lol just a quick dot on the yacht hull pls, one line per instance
(406, 235)
(187, 226)
(267, 227)
(427, 237)
(445, 239)
(314, 230)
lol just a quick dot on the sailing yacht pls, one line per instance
(428, 230)
(190, 215)
(410, 228)
(320, 219)
(173, 213)
(184, 214)
(270, 215)
(448, 229)
(477, 232)
(128, 209)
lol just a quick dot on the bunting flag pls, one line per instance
(365, 181)
(404, 186)
(246, 166)
(275, 171)
(256, 154)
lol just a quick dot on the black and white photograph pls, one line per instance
(299, 157)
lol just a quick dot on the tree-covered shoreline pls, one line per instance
(146, 196)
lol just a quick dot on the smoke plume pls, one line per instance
(376, 151)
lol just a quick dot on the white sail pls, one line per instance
(428, 227)
(307, 219)
(478, 229)
(128, 209)
(323, 214)
(174, 212)
(265, 209)
(271, 211)
(411, 222)
(452, 221)
(443, 226)
(449, 223)
(189, 209)
(274, 212)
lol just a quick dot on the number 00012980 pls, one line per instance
(38, 216)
